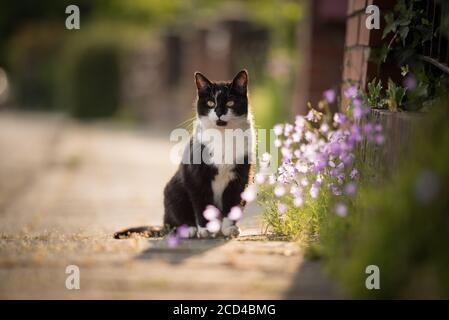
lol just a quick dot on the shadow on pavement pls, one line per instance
(311, 282)
(188, 248)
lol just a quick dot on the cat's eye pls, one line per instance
(230, 103)
(210, 103)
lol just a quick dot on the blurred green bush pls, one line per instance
(78, 72)
(88, 83)
(402, 226)
(32, 54)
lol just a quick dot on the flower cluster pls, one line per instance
(318, 151)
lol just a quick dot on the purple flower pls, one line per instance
(355, 133)
(335, 190)
(324, 128)
(351, 92)
(298, 201)
(304, 182)
(314, 191)
(286, 153)
(288, 129)
(182, 231)
(357, 103)
(334, 173)
(213, 226)
(173, 241)
(279, 191)
(410, 82)
(301, 167)
(330, 95)
(259, 178)
(351, 188)
(354, 173)
(380, 139)
(340, 178)
(250, 194)
(341, 210)
(266, 157)
(282, 208)
(311, 116)
(278, 129)
(341, 166)
(309, 136)
(334, 148)
(339, 118)
(296, 137)
(357, 112)
(236, 213)
(378, 127)
(319, 165)
(347, 159)
(368, 128)
(294, 190)
(211, 213)
(299, 122)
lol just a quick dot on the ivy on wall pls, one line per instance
(407, 32)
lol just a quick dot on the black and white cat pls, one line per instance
(224, 167)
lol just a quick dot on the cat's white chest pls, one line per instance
(224, 152)
(225, 175)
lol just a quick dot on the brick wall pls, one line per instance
(359, 43)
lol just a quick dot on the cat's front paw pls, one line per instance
(229, 229)
(192, 232)
(203, 233)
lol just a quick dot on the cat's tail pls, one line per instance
(144, 231)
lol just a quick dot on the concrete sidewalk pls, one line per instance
(66, 187)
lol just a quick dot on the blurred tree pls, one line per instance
(15, 15)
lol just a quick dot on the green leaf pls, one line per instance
(391, 24)
(403, 33)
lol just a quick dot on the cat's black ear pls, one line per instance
(240, 82)
(201, 81)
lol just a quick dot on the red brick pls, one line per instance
(350, 7)
(359, 5)
(355, 65)
(364, 32)
(352, 31)
(353, 62)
